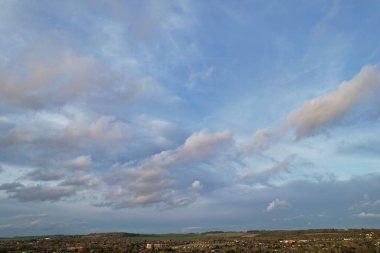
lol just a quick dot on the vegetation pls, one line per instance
(316, 241)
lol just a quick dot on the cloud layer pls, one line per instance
(126, 110)
(154, 179)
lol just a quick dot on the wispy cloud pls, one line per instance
(326, 111)
(369, 215)
(276, 204)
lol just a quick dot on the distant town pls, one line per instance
(315, 240)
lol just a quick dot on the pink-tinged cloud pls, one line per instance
(324, 111)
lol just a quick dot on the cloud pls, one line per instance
(325, 111)
(275, 204)
(105, 129)
(330, 108)
(5, 226)
(374, 203)
(245, 175)
(102, 130)
(47, 174)
(153, 181)
(37, 192)
(60, 169)
(201, 144)
(82, 180)
(369, 215)
(282, 164)
(23, 221)
(202, 74)
(68, 184)
(151, 135)
(23, 217)
(144, 18)
(260, 141)
(9, 187)
(199, 76)
(196, 185)
(56, 77)
(261, 178)
(81, 162)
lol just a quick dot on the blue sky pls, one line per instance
(188, 116)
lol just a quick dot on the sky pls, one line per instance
(188, 116)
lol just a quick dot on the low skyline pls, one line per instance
(188, 116)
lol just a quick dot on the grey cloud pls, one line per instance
(60, 169)
(21, 221)
(151, 135)
(28, 216)
(37, 192)
(336, 194)
(5, 226)
(47, 175)
(308, 199)
(152, 183)
(56, 151)
(9, 187)
(263, 177)
(373, 203)
(83, 180)
(104, 129)
(95, 137)
(69, 183)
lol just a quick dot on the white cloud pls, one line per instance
(369, 215)
(196, 185)
(275, 204)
